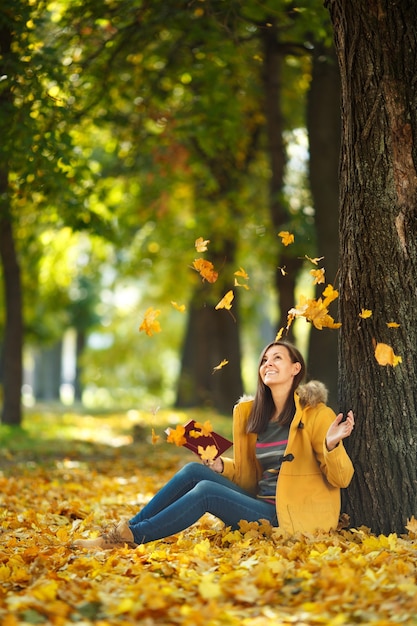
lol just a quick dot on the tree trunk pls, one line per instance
(211, 337)
(272, 79)
(323, 122)
(377, 51)
(13, 331)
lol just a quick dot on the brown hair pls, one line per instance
(263, 406)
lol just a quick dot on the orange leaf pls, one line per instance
(177, 436)
(286, 237)
(202, 430)
(226, 301)
(150, 324)
(393, 325)
(384, 354)
(365, 313)
(201, 244)
(318, 276)
(206, 270)
(155, 437)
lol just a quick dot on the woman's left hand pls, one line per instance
(339, 430)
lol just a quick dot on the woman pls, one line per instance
(288, 468)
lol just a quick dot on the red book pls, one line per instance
(213, 439)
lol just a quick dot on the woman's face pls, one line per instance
(277, 367)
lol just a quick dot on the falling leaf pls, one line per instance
(220, 365)
(155, 437)
(242, 274)
(208, 453)
(279, 334)
(237, 284)
(150, 324)
(393, 325)
(206, 270)
(384, 354)
(177, 435)
(365, 313)
(179, 307)
(226, 301)
(201, 244)
(315, 311)
(316, 260)
(286, 237)
(282, 270)
(318, 276)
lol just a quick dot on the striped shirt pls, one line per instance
(270, 448)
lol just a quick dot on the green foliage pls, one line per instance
(135, 128)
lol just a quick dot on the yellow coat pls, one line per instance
(308, 486)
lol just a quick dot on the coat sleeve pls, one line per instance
(335, 464)
(243, 469)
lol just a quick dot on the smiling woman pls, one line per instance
(288, 468)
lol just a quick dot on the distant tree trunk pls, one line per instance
(81, 341)
(377, 50)
(211, 337)
(323, 123)
(47, 374)
(274, 53)
(13, 333)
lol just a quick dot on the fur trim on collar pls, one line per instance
(312, 393)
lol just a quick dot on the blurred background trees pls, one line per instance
(129, 130)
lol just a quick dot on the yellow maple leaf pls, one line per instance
(226, 301)
(177, 435)
(220, 365)
(315, 261)
(201, 430)
(385, 355)
(411, 526)
(315, 311)
(286, 237)
(179, 307)
(201, 244)
(208, 453)
(365, 313)
(206, 270)
(150, 324)
(318, 276)
(393, 325)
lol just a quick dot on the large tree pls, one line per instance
(376, 44)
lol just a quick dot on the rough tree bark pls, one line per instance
(376, 44)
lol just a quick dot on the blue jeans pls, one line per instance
(194, 490)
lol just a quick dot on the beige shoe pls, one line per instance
(118, 537)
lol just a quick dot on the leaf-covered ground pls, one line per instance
(55, 490)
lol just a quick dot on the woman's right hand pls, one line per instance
(216, 465)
